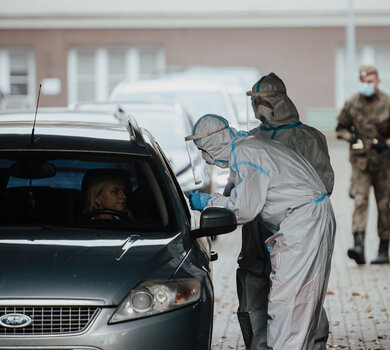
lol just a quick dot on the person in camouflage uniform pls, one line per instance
(364, 122)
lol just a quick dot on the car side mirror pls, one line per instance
(215, 221)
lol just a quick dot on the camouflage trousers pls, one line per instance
(361, 182)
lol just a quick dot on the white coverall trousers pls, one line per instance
(300, 259)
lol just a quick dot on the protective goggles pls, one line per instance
(257, 101)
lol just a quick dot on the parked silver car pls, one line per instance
(196, 96)
(78, 278)
(236, 80)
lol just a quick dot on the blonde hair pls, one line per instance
(94, 182)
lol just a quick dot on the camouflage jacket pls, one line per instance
(369, 121)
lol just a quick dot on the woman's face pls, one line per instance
(112, 196)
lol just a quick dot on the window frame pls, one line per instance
(5, 70)
(132, 68)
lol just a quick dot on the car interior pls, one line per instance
(51, 190)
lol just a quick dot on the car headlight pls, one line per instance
(155, 297)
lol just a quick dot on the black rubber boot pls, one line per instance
(383, 253)
(357, 251)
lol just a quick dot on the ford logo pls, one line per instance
(15, 320)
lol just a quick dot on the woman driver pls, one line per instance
(107, 190)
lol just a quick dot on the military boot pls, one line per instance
(383, 253)
(357, 251)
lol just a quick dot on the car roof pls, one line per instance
(63, 115)
(135, 108)
(61, 124)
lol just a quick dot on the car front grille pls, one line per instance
(48, 320)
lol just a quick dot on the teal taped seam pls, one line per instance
(234, 166)
(281, 127)
(321, 198)
(259, 83)
(265, 172)
(271, 227)
(294, 150)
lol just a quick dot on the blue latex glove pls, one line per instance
(199, 201)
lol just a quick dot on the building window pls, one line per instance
(94, 72)
(116, 66)
(382, 59)
(18, 60)
(149, 62)
(86, 74)
(17, 70)
(17, 77)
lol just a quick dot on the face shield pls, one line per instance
(195, 162)
(194, 154)
(250, 118)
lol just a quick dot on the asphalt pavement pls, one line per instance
(358, 297)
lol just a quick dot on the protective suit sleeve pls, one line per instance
(313, 146)
(253, 131)
(325, 167)
(229, 184)
(247, 199)
(195, 215)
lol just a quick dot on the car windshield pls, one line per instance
(168, 129)
(81, 190)
(197, 103)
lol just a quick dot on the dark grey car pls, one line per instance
(70, 279)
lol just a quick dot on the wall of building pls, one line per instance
(303, 57)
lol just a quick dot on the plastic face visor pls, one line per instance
(195, 155)
(195, 161)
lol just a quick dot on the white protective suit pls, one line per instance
(279, 123)
(277, 184)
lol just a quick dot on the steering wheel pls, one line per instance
(120, 214)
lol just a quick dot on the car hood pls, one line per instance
(94, 267)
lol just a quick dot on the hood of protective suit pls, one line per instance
(284, 110)
(218, 144)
